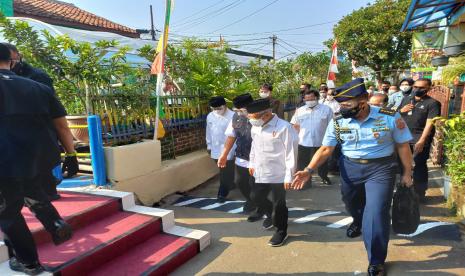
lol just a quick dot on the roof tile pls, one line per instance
(68, 14)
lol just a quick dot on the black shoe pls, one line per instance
(278, 239)
(54, 197)
(267, 223)
(327, 181)
(62, 233)
(255, 216)
(34, 269)
(354, 231)
(249, 207)
(376, 270)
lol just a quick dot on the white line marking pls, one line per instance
(425, 226)
(236, 211)
(214, 205)
(314, 216)
(341, 223)
(296, 209)
(190, 201)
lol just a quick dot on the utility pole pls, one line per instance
(152, 28)
(273, 40)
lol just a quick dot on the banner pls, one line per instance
(425, 46)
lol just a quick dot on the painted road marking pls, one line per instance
(189, 201)
(216, 205)
(341, 223)
(236, 211)
(423, 227)
(315, 216)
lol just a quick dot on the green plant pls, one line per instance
(371, 36)
(454, 143)
(454, 69)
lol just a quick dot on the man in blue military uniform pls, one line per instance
(369, 137)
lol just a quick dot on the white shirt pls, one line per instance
(215, 137)
(230, 133)
(333, 104)
(313, 123)
(274, 151)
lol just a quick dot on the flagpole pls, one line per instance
(161, 75)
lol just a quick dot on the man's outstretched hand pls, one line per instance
(300, 179)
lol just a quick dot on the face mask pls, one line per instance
(385, 89)
(264, 95)
(16, 68)
(323, 94)
(220, 111)
(405, 88)
(370, 91)
(392, 92)
(350, 112)
(242, 113)
(419, 92)
(257, 122)
(330, 97)
(311, 104)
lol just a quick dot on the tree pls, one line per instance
(371, 36)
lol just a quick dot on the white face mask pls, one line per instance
(330, 97)
(370, 91)
(311, 104)
(264, 95)
(392, 92)
(220, 111)
(405, 88)
(323, 94)
(257, 122)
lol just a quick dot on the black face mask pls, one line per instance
(350, 112)
(386, 89)
(419, 92)
(17, 68)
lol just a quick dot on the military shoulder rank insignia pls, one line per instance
(387, 111)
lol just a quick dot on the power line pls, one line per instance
(247, 16)
(211, 15)
(198, 12)
(285, 48)
(226, 7)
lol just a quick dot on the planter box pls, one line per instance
(80, 134)
(130, 161)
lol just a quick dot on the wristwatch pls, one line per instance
(309, 170)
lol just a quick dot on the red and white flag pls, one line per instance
(333, 67)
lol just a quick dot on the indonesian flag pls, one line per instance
(333, 67)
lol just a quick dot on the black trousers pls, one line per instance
(420, 170)
(245, 183)
(333, 162)
(49, 184)
(276, 209)
(305, 154)
(17, 194)
(226, 179)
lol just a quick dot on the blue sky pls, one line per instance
(207, 19)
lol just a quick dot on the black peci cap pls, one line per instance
(243, 100)
(217, 101)
(258, 105)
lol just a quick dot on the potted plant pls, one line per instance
(440, 61)
(454, 143)
(454, 49)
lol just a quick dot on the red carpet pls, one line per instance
(108, 241)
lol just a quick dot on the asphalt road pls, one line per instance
(317, 243)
